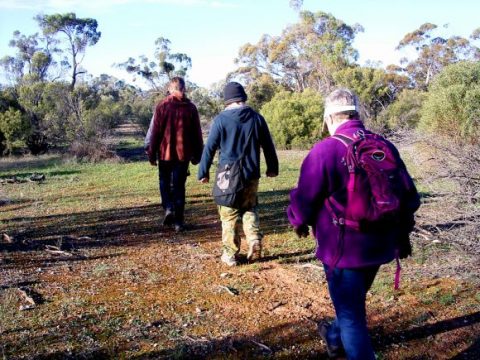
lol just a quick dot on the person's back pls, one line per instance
(233, 127)
(350, 254)
(239, 132)
(175, 139)
(177, 130)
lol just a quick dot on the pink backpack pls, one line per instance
(378, 183)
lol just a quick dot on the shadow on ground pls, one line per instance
(129, 226)
(294, 340)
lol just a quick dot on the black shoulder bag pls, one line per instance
(229, 181)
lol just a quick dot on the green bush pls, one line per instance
(452, 106)
(98, 121)
(405, 112)
(14, 128)
(261, 91)
(295, 119)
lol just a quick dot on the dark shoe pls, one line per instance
(179, 228)
(333, 351)
(169, 217)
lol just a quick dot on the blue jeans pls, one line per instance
(348, 289)
(172, 177)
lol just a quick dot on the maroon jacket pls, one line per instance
(176, 134)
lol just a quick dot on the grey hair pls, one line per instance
(342, 97)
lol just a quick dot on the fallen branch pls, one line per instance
(263, 346)
(56, 250)
(230, 290)
(195, 340)
(421, 235)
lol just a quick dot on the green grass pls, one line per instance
(113, 200)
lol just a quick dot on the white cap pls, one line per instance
(335, 109)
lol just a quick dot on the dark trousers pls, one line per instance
(348, 289)
(172, 177)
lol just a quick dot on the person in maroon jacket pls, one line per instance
(175, 139)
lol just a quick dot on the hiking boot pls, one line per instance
(228, 260)
(254, 250)
(333, 351)
(179, 228)
(169, 217)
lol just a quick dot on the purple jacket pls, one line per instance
(322, 173)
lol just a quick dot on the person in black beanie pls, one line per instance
(233, 93)
(237, 131)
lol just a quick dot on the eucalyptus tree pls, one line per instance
(164, 66)
(375, 87)
(433, 53)
(305, 55)
(77, 32)
(34, 57)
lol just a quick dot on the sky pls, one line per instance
(212, 31)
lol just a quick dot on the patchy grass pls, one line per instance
(122, 286)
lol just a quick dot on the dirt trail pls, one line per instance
(141, 291)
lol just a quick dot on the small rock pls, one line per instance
(225, 275)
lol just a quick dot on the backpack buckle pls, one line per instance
(339, 222)
(360, 134)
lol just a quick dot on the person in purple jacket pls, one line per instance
(351, 269)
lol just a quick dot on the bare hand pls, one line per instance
(301, 231)
(204, 180)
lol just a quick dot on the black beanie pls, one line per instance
(234, 92)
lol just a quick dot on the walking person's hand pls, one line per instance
(204, 180)
(301, 231)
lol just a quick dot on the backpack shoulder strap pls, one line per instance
(345, 140)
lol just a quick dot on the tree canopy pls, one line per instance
(79, 34)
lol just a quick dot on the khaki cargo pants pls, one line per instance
(247, 214)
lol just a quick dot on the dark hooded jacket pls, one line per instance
(230, 132)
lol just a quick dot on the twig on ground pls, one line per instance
(195, 340)
(263, 346)
(56, 251)
(230, 290)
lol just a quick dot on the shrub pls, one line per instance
(14, 127)
(97, 122)
(452, 106)
(37, 143)
(295, 119)
(405, 112)
(91, 150)
(261, 91)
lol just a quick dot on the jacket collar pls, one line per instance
(173, 98)
(354, 124)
